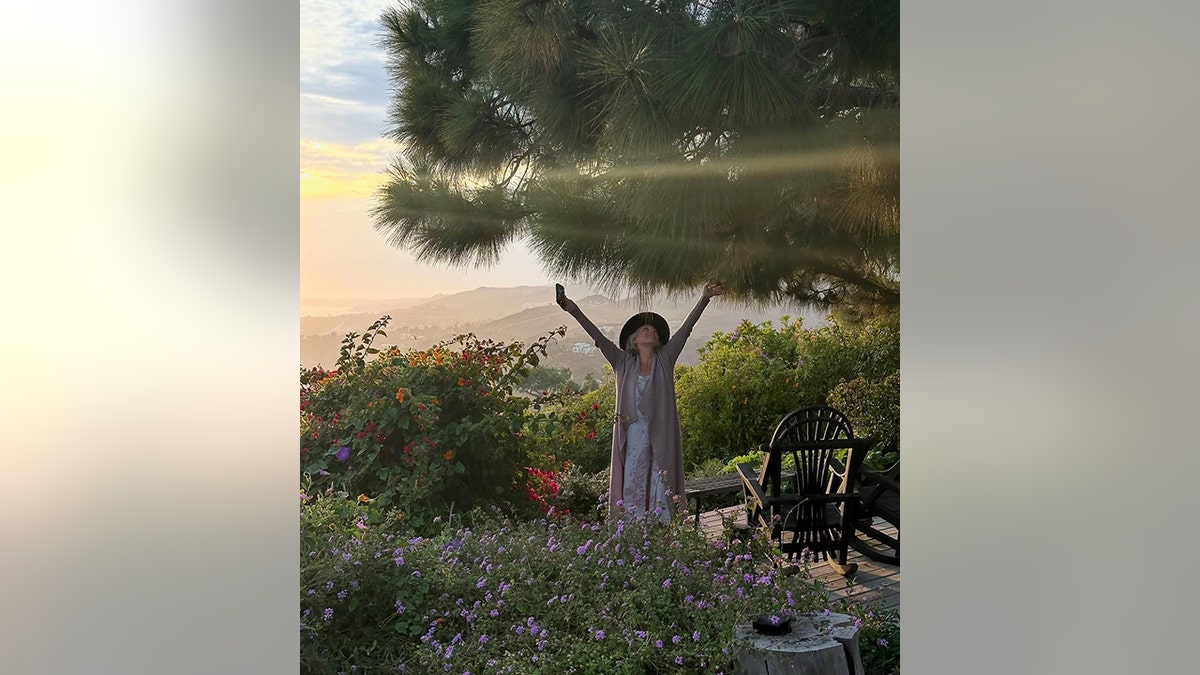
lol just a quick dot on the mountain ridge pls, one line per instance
(526, 313)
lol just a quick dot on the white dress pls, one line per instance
(644, 489)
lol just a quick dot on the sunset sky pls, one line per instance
(343, 160)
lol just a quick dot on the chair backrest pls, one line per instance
(808, 423)
(813, 423)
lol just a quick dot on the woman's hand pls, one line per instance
(713, 289)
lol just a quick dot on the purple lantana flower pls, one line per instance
(342, 454)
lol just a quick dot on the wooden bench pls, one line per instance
(725, 483)
(713, 485)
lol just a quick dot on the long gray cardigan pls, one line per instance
(658, 406)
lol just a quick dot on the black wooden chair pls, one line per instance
(813, 515)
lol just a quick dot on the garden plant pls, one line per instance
(488, 593)
(453, 523)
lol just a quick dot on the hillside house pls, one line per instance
(583, 348)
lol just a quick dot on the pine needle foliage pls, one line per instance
(653, 145)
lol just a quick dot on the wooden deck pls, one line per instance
(873, 582)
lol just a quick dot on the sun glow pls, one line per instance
(332, 170)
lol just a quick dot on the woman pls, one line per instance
(647, 453)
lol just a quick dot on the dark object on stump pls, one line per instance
(772, 624)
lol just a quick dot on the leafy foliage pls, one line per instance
(653, 145)
(577, 425)
(546, 379)
(583, 494)
(746, 380)
(873, 406)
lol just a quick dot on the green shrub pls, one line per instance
(745, 381)
(425, 431)
(753, 458)
(575, 426)
(708, 468)
(536, 596)
(873, 407)
(583, 494)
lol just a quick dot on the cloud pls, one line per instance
(343, 82)
(334, 170)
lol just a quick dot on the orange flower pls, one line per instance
(461, 382)
(448, 455)
(400, 395)
(364, 499)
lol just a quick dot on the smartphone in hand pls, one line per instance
(560, 294)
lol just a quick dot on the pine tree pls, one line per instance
(653, 145)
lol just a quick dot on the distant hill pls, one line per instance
(526, 313)
(469, 307)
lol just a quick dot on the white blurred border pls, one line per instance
(148, 228)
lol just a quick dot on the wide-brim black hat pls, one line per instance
(641, 319)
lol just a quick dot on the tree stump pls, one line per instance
(825, 644)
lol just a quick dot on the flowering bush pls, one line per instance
(542, 490)
(424, 430)
(534, 596)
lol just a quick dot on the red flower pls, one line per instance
(595, 406)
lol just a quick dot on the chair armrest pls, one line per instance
(754, 491)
